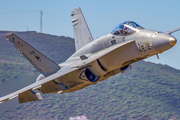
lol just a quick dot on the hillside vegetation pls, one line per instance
(147, 91)
(13, 64)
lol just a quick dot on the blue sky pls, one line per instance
(101, 15)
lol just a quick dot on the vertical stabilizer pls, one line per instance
(42, 63)
(82, 34)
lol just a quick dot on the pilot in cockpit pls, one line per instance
(126, 28)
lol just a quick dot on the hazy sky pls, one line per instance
(101, 15)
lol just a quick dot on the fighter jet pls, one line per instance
(93, 61)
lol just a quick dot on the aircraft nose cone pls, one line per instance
(172, 41)
(163, 42)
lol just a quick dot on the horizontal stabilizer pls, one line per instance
(42, 63)
(51, 87)
(26, 94)
(29, 96)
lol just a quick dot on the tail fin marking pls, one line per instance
(42, 63)
(82, 34)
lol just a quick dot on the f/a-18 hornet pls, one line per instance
(93, 61)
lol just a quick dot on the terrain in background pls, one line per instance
(147, 90)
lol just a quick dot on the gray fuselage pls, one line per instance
(147, 43)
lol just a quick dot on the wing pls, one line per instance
(26, 94)
(42, 63)
(82, 34)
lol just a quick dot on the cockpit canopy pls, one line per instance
(126, 28)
